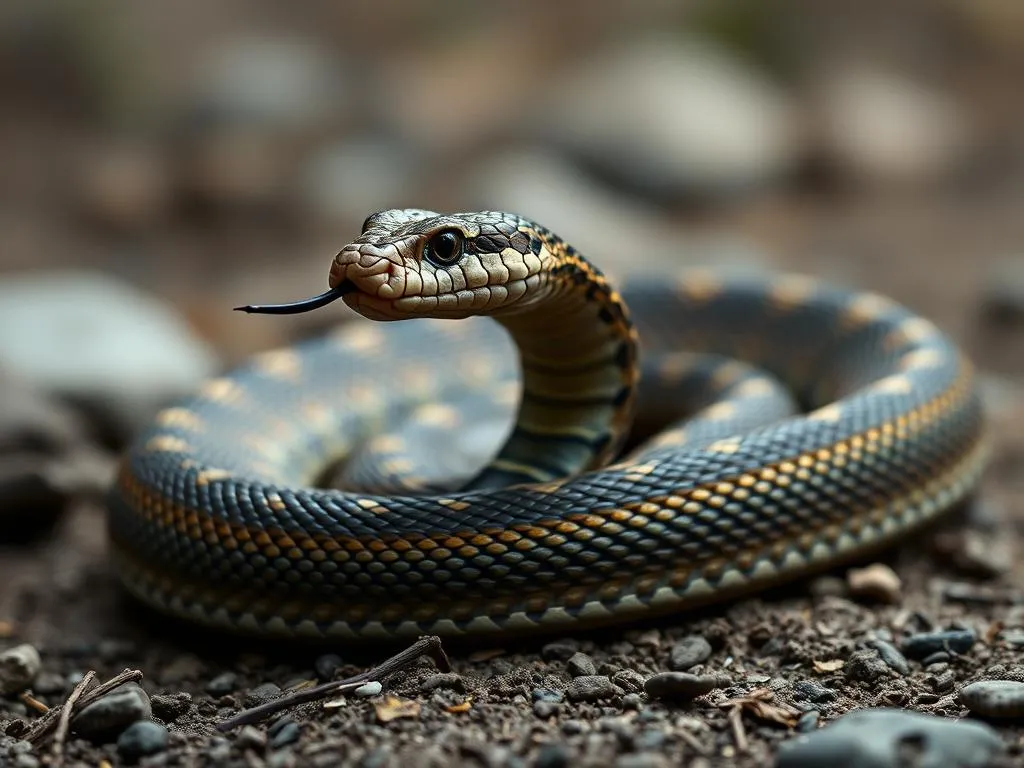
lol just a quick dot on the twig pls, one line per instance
(45, 725)
(739, 733)
(429, 645)
(64, 721)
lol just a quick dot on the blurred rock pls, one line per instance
(1003, 299)
(100, 343)
(616, 232)
(46, 459)
(123, 187)
(882, 128)
(344, 182)
(279, 84)
(675, 118)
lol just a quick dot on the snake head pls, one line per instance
(417, 263)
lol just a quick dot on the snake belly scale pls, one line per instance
(218, 515)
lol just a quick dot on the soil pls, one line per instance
(793, 650)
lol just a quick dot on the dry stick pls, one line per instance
(44, 725)
(739, 733)
(429, 645)
(65, 717)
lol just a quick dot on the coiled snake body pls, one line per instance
(220, 514)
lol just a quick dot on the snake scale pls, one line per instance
(222, 514)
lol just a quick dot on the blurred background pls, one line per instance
(164, 162)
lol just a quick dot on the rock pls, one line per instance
(18, 668)
(546, 709)
(865, 667)
(1003, 699)
(170, 706)
(553, 756)
(451, 680)
(262, 694)
(278, 84)
(222, 684)
(1003, 297)
(926, 643)
(682, 685)
(891, 655)
(878, 738)
(674, 117)
(580, 665)
(114, 712)
(100, 343)
(326, 665)
(48, 457)
(559, 650)
(250, 737)
(881, 128)
(689, 652)
(629, 680)
(367, 690)
(141, 739)
(283, 732)
(810, 690)
(591, 688)
(876, 582)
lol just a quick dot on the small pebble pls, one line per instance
(546, 709)
(939, 657)
(559, 650)
(813, 691)
(876, 582)
(689, 652)
(450, 680)
(682, 685)
(26, 761)
(926, 643)
(50, 682)
(942, 682)
(994, 698)
(262, 694)
(325, 666)
(580, 665)
(251, 737)
(641, 760)
(365, 691)
(629, 680)
(573, 727)
(287, 734)
(879, 738)
(114, 712)
(591, 688)
(552, 756)
(808, 721)
(18, 668)
(141, 739)
(546, 694)
(170, 706)
(891, 655)
(632, 701)
(222, 684)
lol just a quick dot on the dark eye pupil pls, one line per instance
(445, 245)
(444, 248)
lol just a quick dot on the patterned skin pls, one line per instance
(220, 515)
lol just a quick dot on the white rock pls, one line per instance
(676, 117)
(882, 127)
(100, 342)
(278, 82)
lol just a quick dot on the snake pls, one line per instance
(804, 425)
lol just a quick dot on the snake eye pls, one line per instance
(444, 248)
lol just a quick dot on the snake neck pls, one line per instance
(578, 357)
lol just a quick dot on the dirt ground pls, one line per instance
(58, 594)
(199, 206)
